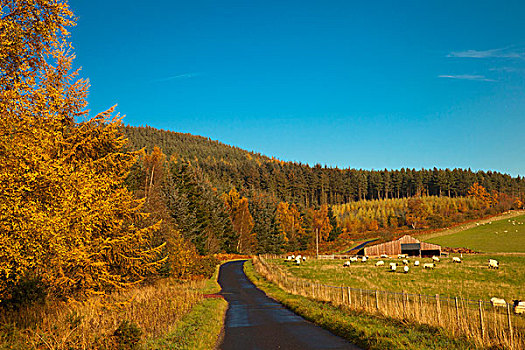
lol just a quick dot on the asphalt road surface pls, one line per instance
(254, 321)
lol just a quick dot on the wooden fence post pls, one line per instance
(342, 295)
(438, 308)
(349, 296)
(404, 304)
(457, 311)
(361, 298)
(511, 335)
(481, 324)
(420, 307)
(377, 301)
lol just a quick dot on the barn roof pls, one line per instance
(394, 247)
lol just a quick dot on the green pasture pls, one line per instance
(472, 279)
(498, 236)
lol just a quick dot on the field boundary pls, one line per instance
(469, 225)
(477, 320)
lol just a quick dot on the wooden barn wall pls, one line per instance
(394, 247)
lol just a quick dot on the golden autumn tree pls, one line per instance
(321, 222)
(242, 220)
(481, 194)
(65, 214)
(290, 223)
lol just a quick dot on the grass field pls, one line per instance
(497, 236)
(471, 279)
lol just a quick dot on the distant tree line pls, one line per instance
(306, 186)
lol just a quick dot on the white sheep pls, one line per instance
(456, 259)
(380, 263)
(401, 256)
(289, 258)
(304, 258)
(497, 302)
(363, 259)
(353, 259)
(298, 261)
(405, 262)
(429, 265)
(384, 256)
(416, 263)
(346, 264)
(393, 267)
(405, 269)
(519, 306)
(435, 259)
(493, 264)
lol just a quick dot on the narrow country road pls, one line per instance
(254, 321)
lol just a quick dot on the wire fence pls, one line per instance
(478, 320)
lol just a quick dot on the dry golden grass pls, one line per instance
(155, 309)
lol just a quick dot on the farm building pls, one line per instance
(404, 245)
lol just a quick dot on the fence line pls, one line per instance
(476, 319)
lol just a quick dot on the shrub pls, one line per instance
(127, 335)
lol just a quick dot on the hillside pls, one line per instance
(227, 166)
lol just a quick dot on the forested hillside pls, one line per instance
(228, 167)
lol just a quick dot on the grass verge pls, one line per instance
(199, 329)
(365, 330)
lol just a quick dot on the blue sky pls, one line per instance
(361, 84)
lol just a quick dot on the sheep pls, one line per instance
(416, 263)
(304, 258)
(293, 257)
(497, 302)
(346, 264)
(429, 265)
(435, 259)
(380, 263)
(353, 259)
(402, 256)
(384, 256)
(455, 259)
(393, 267)
(405, 269)
(493, 264)
(289, 258)
(519, 306)
(298, 257)
(298, 261)
(405, 262)
(363, 259)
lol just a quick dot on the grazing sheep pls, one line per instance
(293, 257)
(435, 259)
(429, 265)
(402, 256)
(497, 302)
(384, 256)
(353, 259)
(393, 267)
(380, 263)
(519, 306)
(455, 259)
(298, 257)
(493, 264)
(346, 264)
(405, 269)
(416, 263)
(363, 259)
(405, 262)
(289, 258)
(298, 261)
(304, 258)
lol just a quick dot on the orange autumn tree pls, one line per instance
(66, 217)
(290, 224)
(481, 194)
(242, 220)
(321, 223)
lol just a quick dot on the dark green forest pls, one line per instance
(227, 166)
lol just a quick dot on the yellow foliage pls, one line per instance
(65, 214)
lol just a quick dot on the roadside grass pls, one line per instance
(148, 313)
(365, 330)
(199, 329)
(506, 235)
(472, 279)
